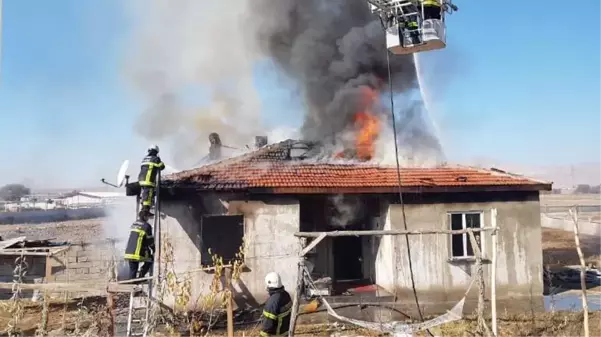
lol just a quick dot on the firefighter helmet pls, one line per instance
(273, 280)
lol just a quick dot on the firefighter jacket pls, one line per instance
(140, 242)
(276, 313)
(151, 166)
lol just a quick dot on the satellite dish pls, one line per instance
(122, 173)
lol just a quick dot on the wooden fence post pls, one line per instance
(229, 305)
(296, 299)
(493, 274)
(110, 305)
(480, 277)
(574, 214)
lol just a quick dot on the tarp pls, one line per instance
(400, 329)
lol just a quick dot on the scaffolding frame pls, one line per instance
(320, 236)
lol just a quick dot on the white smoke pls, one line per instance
(178, 53)
(117, 224)
(346, 209)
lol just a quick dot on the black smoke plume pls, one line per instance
(331, 48)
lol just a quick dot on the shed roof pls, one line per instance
(285, 168)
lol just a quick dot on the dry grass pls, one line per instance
(543, 324)
(60, 321)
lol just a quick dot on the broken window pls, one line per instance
(461, 245)
(221, 235)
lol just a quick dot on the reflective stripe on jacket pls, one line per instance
(140, 242)
(432, 3)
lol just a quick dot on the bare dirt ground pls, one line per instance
(559, 248)
(71, 231)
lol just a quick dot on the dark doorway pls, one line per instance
(348, 254)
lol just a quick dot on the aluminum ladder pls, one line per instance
(139, 311)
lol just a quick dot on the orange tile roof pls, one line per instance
(271, 170)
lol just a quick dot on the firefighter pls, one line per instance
(412, 27)
(432, 9)
(151, 166)
(140, 247)
(409, 23)
(276, 313)
(215, 147)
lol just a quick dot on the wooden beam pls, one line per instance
(136, 280)
(480, 277)
(24, 253)
(60, 250)
(392, 232)
(296, 298)
(73, 287)
(313, 244)
(574, 215)
(493, 272)
(229, 304)
(10, 242)
(110, 307)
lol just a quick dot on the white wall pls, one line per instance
(269, 241)
(519, 265)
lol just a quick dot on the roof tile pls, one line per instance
(271, 167)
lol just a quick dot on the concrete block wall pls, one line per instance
(437, 279)
(79, 264)
(35, 269)
(87, 263)
(269, 241)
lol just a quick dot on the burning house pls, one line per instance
(259, 200)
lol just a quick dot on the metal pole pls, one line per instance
(157, 234)
(493, 273)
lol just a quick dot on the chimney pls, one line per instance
(260, 141)
(215, 148)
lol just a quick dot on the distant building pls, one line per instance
(89, 199)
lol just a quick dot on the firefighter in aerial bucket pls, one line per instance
(151, 166)
(140, 247)
(277, 310)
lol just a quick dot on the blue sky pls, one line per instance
(516, 83)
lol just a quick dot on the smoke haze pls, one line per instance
(330, 49)
(176, 53)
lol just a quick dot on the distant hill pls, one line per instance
(562, 176)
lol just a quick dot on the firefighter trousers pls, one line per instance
(147, 197)
(135, 265)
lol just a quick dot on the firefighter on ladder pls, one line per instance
(151, 166)
(277, 310)
(140, 247)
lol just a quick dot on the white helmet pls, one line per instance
(273, 280)
(153, 148)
